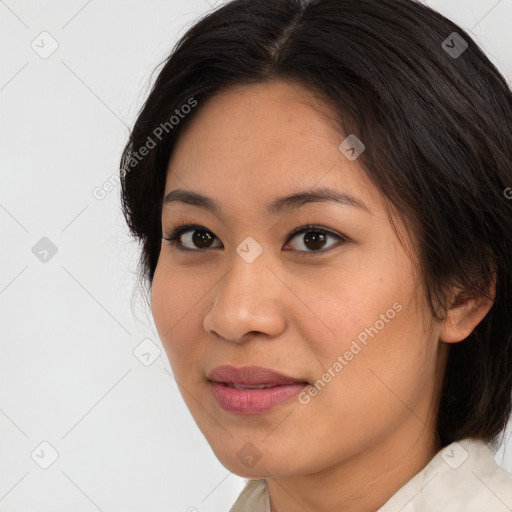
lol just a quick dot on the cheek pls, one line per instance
(359, 305)
(386, 360)
(178, 299)
(161, 300)
(172, 310)
(376, 326)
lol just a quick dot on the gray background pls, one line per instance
(69, 374)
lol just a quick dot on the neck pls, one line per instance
(362, 483)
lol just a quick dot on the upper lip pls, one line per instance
(251, 375)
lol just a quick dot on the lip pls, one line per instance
(252, 401)
(251, 375)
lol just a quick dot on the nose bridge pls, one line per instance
(247, 297)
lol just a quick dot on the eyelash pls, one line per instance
(173, 237)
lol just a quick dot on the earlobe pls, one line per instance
(465, 313)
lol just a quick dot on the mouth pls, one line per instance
(251, 377)
(248, 386)
(252, 390)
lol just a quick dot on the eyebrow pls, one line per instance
(279, 205)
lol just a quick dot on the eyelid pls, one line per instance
(173, 237)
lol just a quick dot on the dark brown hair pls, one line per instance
(436, 118)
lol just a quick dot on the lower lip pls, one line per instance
(253, 401)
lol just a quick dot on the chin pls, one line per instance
(248, 462)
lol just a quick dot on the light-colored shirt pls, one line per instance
(462, 477)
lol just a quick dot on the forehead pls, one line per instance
(264, 140)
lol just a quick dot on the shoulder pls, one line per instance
(478, 483)
(253, 498)
(462, 477)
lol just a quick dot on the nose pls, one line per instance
(248, 300)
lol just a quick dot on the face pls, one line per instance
(338, 307)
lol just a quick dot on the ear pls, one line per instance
(466, 312)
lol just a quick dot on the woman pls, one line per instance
(320, 192)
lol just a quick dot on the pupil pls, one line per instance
(316, 238)
(203, 237)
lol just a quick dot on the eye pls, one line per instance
(313, 239)
(192, 234)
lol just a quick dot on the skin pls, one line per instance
(371, 428)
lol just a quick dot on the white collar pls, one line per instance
(462, 477)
